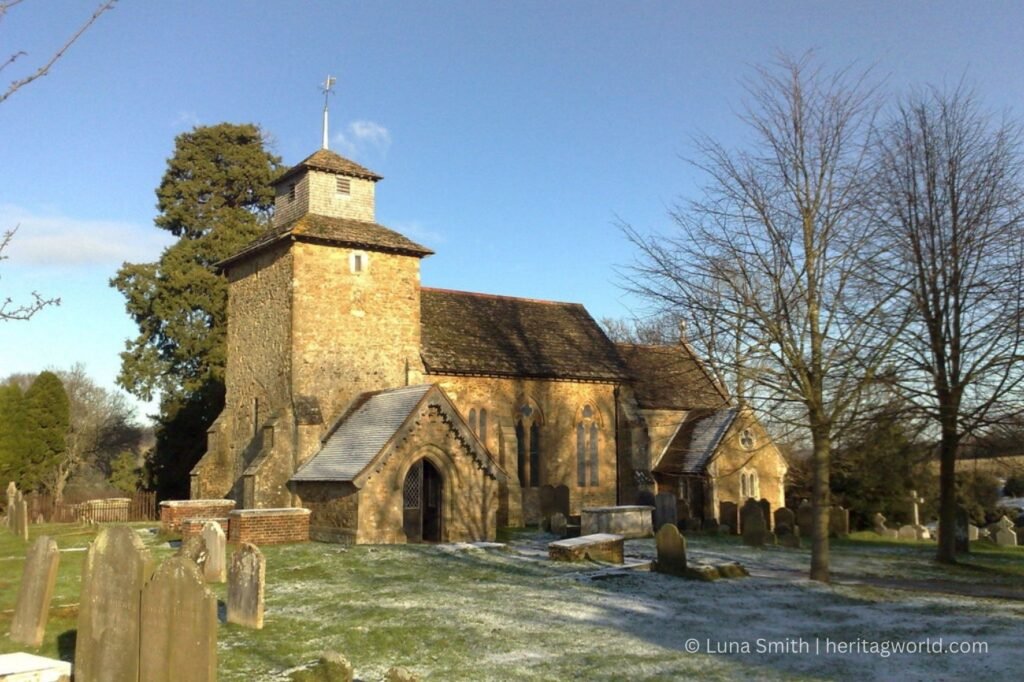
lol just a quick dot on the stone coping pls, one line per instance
(25, 666)
(281, 511)
(196, 503)
(584, 540)
(622, 508)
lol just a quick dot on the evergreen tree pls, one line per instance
(216, 197)
(46, 422)
(12, 431)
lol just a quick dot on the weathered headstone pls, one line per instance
(37, 582)
(107, 644)
(547, 501)
(671, 551)
(961, 541)
(755, 530)
(559, 524)
(805, 519)
(878, 523)
(22, 508)
(838, 521)
(1005, 536)
(728, 515)
(215, 570)
(908, 532)
(246, 581)
(972, 532)
(194, 549)
(561, 501)
(785, 518)
(664, 510)
(12, 491)
(179, 625)
(766, 512)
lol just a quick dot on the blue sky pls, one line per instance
(511, 135)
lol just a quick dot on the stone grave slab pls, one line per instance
(596, 547)
(25, 667)
(630, 521)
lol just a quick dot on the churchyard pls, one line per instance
(504, 611)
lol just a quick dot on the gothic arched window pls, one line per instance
(528, 444)
(587, 447)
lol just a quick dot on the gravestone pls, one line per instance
(215, 569)
(961, 541)
(1005, 536)
(766, 512)
(671, 551)
(664, 510)
(878, 523)
(37, 582)
(178, 638)
(562, 500)
(12, 490)
(559, 524)
(785, 518)
(908, 532)
(755, 530)
(788, 538)
(838, 521)
(805, 518)
(246, 583)
(194, 549)
(21, 507)
(728, 515)
(547, 502)
(972, 532)
(116, 568)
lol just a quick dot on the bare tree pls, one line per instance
(44, 68)
(762, 266)
(9, 310)
(950, 204)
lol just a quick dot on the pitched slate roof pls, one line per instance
(468, 333)
(340, 231)
(670, 377)
(326, 160)
(695, 441)
(367, 426)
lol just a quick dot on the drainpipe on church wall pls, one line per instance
(618, 457)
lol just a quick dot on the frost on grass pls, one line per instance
(471, 612)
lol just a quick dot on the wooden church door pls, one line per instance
(422, 503)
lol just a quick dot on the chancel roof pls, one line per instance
(670, 377)
(695, 441)
(479, 334)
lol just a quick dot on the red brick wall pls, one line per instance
(269, 526)
(173, 512)
(191, 526)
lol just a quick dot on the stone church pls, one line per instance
(401, 413)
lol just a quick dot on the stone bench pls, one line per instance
(596, 547)
(629, 521)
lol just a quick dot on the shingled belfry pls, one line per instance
(399, 413)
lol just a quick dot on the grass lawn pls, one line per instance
(461, 612)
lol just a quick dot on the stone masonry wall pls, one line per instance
(268, 526)
(352, 332)
(733, 458)
(334, 510)
(560, 403)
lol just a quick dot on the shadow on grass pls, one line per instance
(66, 645)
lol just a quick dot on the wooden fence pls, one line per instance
(139, 507)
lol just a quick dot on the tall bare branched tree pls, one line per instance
(948, 202)
(762, 266)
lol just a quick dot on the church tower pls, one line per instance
(322, 307)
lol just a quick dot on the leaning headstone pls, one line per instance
(559, 524)
(561, 500)
(107, 643)
(37, 582)
(671, 551)
(215, 569)
(805, 519)
(754, 528)
(785, 518)
(961, 541)
(908, 532)
(246, 581)
(728, 515)
(972, 532)
(179, 625)
(664, 510)
(1005, 536)
(332, 667)
(838, 521)
(766, 512)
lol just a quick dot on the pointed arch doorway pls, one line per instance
(422, 503)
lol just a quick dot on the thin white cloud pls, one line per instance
(362, 138)
(55, 240)
(418, 232)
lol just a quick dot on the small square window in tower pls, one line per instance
(344, 185)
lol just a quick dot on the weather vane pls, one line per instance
(326, 87)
